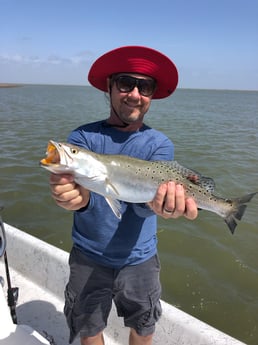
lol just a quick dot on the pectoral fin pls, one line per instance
(110, 188)
(115, 206)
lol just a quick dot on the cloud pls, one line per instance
(19, 59)
(26, 38)
(53, 59)
(82, 57)
(5, 58)
(50, 69)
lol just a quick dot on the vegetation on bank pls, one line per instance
(9, 85)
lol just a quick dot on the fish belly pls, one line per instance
(134, 193)
(125, 189)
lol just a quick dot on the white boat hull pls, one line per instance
(41, 271)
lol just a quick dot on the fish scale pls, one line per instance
(123, 178)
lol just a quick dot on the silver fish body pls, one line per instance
(118, 177)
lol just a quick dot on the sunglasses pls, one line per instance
(126, 83)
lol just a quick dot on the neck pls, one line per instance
(124, 127)
(115, 121)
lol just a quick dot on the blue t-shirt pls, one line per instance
(96, 230)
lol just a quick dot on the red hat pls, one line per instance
(135, 59)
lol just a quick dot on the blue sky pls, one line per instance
(214, 43)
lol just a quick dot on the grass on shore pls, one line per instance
(9, 85)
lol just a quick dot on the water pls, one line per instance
(206, 271)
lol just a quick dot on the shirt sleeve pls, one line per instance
(77, 138)
(164, 152)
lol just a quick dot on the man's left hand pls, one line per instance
(170, 202)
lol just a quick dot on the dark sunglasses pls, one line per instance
(126, 83)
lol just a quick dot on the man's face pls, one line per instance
(130, 106)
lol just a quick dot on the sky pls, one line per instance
(214, 43)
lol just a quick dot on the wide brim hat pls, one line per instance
(135, 59)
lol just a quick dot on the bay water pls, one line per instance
(206, 271)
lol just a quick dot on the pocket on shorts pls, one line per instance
(151, 316)
(157, 311)
(70, 297)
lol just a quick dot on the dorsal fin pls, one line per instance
(202, 181)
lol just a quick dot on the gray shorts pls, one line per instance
(135, 291)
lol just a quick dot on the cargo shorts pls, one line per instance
(135, 290)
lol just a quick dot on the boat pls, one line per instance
(40, 271)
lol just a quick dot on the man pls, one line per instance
(116, 259)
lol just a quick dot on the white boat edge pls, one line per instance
(41, 271)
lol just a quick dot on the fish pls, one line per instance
(125, 178)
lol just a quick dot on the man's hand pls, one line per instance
(67, 193)
(170, 202)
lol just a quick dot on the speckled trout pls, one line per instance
(118, 177)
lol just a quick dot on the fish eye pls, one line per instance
(74, 151)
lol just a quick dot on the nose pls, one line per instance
(134, 93)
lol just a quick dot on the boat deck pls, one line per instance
(42, 310)
(41, 271)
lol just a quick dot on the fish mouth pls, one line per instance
(52, 154)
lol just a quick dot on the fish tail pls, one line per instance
(237, 210)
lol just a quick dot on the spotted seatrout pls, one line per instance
(124, 178)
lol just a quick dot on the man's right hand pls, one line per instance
(67, 193)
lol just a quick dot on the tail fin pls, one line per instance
(238, 211)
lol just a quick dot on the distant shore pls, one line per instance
(2, 85)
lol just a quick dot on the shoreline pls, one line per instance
(11, 85)
(8, 85)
